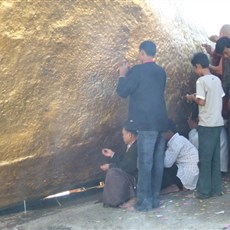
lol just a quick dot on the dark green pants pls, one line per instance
(209, 182)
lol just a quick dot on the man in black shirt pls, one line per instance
(145, 85)
(121, 173)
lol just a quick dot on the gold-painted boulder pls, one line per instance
(58, 74)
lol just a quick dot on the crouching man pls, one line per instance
(181, 162)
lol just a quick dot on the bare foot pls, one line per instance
(129, 204)
(171, 189)
(185, 189)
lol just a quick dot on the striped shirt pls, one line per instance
(184, 154)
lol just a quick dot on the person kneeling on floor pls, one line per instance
(181, 162)
(121, 173)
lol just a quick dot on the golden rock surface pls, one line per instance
(58, 74)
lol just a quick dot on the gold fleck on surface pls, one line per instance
(58, 74)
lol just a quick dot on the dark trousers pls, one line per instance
(119, 187)
(170, 178)
(209, 182)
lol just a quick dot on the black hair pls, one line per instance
(128, 127)
(148, 47)
(200, 59)
(222, 43)
(172, 126)
(195, 112)
(134, 132)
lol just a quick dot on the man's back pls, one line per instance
(181, 151)
(209, 88)
(145, 84)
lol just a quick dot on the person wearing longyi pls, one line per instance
(121, 173)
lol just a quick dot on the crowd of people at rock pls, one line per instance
(158, 160)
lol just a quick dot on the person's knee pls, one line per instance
(113, 172)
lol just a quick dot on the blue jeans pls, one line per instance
(150, 163)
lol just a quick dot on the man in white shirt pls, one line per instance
(208, 96)
(181, 162)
